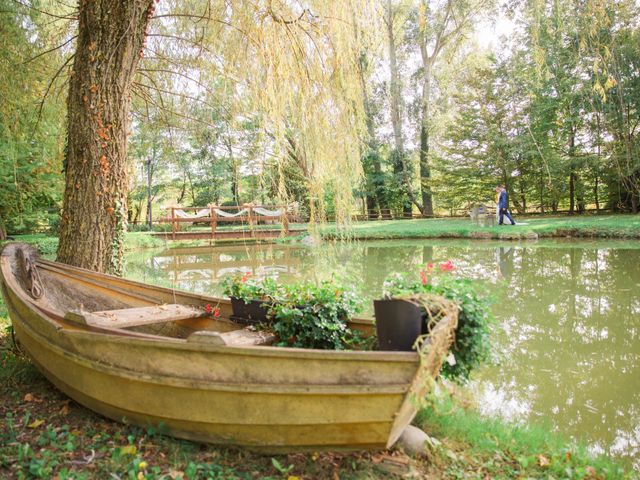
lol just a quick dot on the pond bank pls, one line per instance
(44, 434)
(527, 228)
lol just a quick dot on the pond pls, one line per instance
(568, 341)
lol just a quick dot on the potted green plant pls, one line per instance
(315, 315)
(471, 345)
(250, 297)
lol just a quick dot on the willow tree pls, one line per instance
(294, 63)
(108, 49)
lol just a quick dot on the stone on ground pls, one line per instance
(413, 441)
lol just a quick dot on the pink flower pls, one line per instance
(216, 312)
(424, 277)
(207, 308)
(447, 266)
(429, 266)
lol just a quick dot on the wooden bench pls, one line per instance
(482, 216)
(135, 317)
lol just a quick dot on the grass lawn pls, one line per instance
(605, 226)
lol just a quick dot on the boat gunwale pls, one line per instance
(140, 339)
(82, 272)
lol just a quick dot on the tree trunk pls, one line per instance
(595, 193)
(375, 199)
(541, 192)
(573, 176)
(235, 174)
(3, 232)
(149, 193)
(425, 169)
(523, 197)
(425, 172)
(135, 218)
(401, 165)
(109, 47)
(183, 190)
(572, 189)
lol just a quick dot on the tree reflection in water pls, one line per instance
(568, 346)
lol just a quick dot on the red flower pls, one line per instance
(424, 277)
(243, 279)
(429, 266)
(207, 308)
(216, 312)
(447, 266)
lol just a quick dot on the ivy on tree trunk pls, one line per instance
(109, 46)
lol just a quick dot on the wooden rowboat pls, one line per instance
(153, 356)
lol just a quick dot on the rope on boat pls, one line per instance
(31, 275)
(433, 347)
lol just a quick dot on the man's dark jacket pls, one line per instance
(503, 201)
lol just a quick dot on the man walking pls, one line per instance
(503, 205)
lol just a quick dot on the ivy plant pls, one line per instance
(315, 315)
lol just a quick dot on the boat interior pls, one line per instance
(80, 298)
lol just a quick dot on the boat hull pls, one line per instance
(264, 398)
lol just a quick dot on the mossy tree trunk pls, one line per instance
(109, 46)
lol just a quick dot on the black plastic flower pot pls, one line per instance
(398, 324)
(249, 313)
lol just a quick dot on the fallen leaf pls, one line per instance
(176, 474)
(543, 461)
(128, 450)
(28, 397)
(591, 472)
(64, 411)
(35, 423)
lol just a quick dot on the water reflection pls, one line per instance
(568, 348)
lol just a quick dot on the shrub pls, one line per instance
(248, 288)
(309, 315)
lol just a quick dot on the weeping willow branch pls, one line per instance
(46, 93)
(44, 12)
(50, 50)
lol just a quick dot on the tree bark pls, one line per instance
(572, 189)
(149, 188)
(375, 199)
(400, 166)
(3, 232)
(425, 169)
(109, 47)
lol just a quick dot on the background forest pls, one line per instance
(449, 97)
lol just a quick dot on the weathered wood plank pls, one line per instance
(135, 317)
(242, 338)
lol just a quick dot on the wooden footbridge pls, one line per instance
(250, 215)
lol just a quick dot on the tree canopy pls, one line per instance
(389, 105)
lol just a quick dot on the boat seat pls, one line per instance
(135, 317)
(239, 338)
